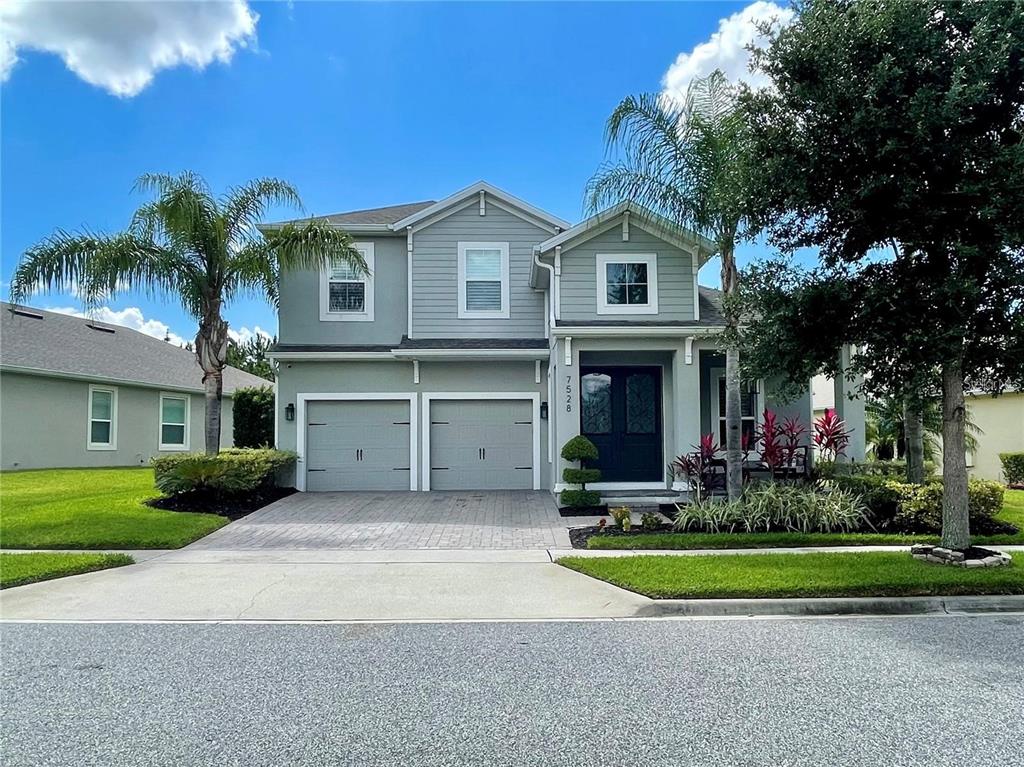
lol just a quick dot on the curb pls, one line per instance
(721, 608)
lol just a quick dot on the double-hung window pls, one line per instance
(102, 418)
(346, 295)
(483, 280)
(748, 411)
(174, 419)
(627, 283)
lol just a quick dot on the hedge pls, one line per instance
(1013, 468)
(909, 508)
(230, 472)
(252, 413)
(874, 468)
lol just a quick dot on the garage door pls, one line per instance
(481, 445)
(357, 445)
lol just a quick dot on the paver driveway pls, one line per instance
(394, 520)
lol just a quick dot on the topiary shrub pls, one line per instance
(252, 411)
(1013, 468)
(230, 472)
(580, 449)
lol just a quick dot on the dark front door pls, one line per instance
(620, 412)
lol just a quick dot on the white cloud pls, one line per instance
(131, 317)
(120, 46)
(727, 49)
(243, 335)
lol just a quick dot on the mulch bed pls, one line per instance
(578, 536)
(232, 507)
(583, 511)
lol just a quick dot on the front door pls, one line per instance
(620, 412)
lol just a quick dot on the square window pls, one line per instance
(627, 283)
(347, 296)
(99, 433)
(171, 434)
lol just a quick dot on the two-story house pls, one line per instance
(487, 333)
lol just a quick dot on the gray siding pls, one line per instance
(435, 275)
(579, 276)
(299, 314)
(45, 420)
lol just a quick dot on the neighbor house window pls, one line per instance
(748, 411)
(174, 418)
(627, 283)
(346, 295)
(483, 280)
(102, 418)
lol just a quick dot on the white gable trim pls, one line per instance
(641, 218)
(472, 193)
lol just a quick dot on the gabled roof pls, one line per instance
(33, 340)
(473, 190)
(376, 218)
(640, 215)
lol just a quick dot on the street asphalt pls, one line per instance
(851, 691)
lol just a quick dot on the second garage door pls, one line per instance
(360, 445)
(481, 445)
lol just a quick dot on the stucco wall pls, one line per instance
(1001, 420)
(44, 422)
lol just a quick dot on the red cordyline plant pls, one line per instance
(831, 435)
(695, 467)
(779, 442)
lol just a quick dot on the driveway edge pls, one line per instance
(958, 605)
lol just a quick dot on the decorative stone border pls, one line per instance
(979, 557)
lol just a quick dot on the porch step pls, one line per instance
(635, 500)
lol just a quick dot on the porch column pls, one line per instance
(565, 407)
(685, 402)
(850, 405)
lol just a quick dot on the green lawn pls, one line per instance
(1013, 512)
(92, 509)
(851, 574)
(19, 569)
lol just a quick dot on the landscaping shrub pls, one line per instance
(893, 469)
(650, 522)
(252, 412)
(771, 506)
(580, 449)
(621, 515)
(230, 472)
(1013, 468)
(920, 506)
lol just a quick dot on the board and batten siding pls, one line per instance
(579, 276)
(299, 313)
(435, 276)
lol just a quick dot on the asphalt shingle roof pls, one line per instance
(59, 343)
(374, 216)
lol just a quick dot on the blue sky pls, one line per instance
(357, 104)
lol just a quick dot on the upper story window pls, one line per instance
(102, 418)
(483, 280)
(345, 294)
(174, 412)
(627, 283)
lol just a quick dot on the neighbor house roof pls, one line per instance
(38, 341)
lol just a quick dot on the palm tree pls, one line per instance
(203, 250)
(687, 161)
(887, 428)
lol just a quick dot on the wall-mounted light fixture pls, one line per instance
(544, 411)
(289, 412)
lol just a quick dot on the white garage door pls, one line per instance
(481, 445)
(358, 445)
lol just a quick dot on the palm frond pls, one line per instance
(244, 206)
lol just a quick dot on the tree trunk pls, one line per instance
(212, 352)
(733, 414)
(913, 424)
(956, 532)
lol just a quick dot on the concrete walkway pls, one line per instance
(509, 520)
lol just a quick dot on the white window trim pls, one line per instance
(603, 259)
(501, 314)
(367, 314)
(89, 444)
(160, 422)
(717, 376)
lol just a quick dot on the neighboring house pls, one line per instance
(1001, 422)
(74, 392)
(487, 334)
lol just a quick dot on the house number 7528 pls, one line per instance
(568, 394)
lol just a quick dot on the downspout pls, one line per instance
(551, 286)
